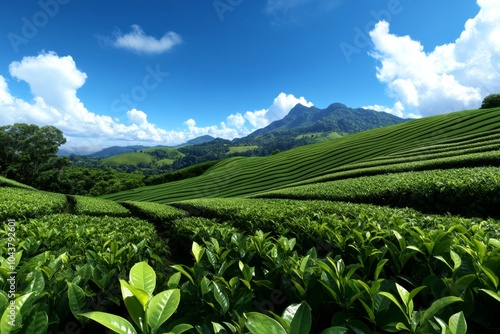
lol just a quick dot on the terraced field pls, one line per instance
(467, 138)
(394, 230)
(238, 258)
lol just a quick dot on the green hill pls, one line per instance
(418, 144)
(163, 152)
(133, 158)
(159, 155)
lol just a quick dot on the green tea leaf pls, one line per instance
(161, 307)
(335, 330)
(143, 277)
(7, 324)
(379, 268)
(436, 306)
(491, 293)
(135, 300)
(181, 328)
(298, 316)
(221, 297)
(458, 325)
(183, 271)
(36, 323)
(174, 280)
(404, 294)
(457, 261)
(197, 251)
(259, 323)
(491, 275)
(111, 321)
(76, 297)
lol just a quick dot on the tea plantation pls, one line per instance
(394, 230)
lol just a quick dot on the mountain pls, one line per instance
(335, 118)
(115, 150)
(306, 125)
(199, 140)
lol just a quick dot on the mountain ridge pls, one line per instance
(337, 117)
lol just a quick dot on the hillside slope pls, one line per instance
(405, 146)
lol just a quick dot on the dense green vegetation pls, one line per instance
(96, 207)
(394, 230)
(468, 138)
(354, 265)
(29, 150)
(464, 191)
(491, 101)
(29, 203)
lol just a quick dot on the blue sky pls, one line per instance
(160, 72)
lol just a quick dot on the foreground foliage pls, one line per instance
(50, 251)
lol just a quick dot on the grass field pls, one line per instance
(444, 141)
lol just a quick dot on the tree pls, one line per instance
(491, 101)
(28, 150)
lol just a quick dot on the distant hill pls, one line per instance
(130, 158)
(115, 150)
(335, 118)
(199, 140)
(159, 155)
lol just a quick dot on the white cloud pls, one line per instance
(138, 41)
(451, 77)
(238, 121)
(57, 104)
(396, 110)
(280, 108)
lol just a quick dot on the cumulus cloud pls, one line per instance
(57, 104)
(138, 41)
(451, 77)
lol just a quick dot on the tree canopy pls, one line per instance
(491, 101)
(28, 150)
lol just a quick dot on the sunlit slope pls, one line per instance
(422, 140)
